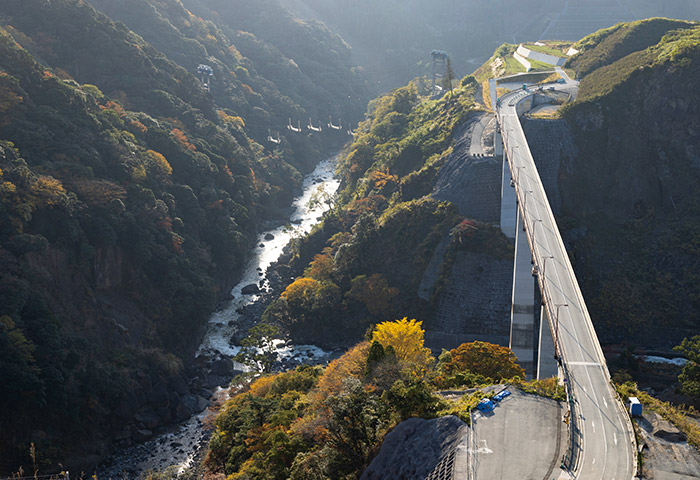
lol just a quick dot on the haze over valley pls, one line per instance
(330, 239)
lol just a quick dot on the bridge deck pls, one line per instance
(602, 442)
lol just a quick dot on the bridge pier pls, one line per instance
(522, 313)
(547, 366)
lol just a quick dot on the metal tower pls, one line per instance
(439, 65)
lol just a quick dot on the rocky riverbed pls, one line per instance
(187, 404)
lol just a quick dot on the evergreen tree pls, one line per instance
(448, 77)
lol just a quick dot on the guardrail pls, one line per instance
(572, 458)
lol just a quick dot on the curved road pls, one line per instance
(602, 442)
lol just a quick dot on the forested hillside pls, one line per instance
(129, 198)
(631, 193)
(364, 262)
(328, 423)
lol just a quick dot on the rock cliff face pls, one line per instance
(629, 195)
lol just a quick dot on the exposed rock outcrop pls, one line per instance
(413, 448)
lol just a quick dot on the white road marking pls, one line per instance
(606, 403)
(615, 437)
(593, 425)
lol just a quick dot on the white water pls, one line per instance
(223, 323)
(177, 449)
(673, 361)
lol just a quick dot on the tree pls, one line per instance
(483, 358)
(469, 80)
(690, 376)
(321, 199)
(374, 292)
(322, 266)
(449, 76)
(406, 338)
(258, 349)
(356, 419)
(301, 292)
(161, 165)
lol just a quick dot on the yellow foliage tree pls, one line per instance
(48, 190)
(138, 173)
(261, 386)
(301, 291)
(231, 119)
(406, 337)
(161, 164)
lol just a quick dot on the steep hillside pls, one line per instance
(129, 198)
(364, 263)
(267, 69)
(631, 194)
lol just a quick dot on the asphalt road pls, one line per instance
(520, 439)
(604, 449)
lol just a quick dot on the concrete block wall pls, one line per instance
(475, 303)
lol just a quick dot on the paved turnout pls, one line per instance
(603, 443)
(520, 439)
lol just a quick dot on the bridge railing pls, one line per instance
(572, 458)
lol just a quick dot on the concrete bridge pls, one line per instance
(602, 444)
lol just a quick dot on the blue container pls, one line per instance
(635, 406)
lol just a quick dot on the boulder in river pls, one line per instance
(142, 435)
(222, 367)
(269, 236)
(250, 289)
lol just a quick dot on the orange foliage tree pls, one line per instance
(322, 266)
(382, 178)
(374, 292)
(182, 139)
(483, 358)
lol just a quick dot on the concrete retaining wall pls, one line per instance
(540, 57)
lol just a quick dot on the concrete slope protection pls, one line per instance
(601, 440)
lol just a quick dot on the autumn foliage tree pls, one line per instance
(485, 359)
(374, 293)
(322, 266)
(406, 338)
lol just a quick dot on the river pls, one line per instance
(176, 450)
